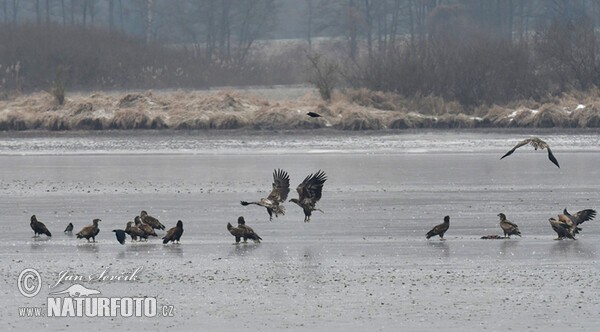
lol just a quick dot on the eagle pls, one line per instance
(38, 227)
(313, 115)
(243, 231)
(153, 222)
(174, 234)
(121, 235)
(567, 225)
(439, 229)
(135, 232)
(509, 227)
(69, 228)
(144, 227)
(537, 144)
(309, 193)
(89, 231)
(281, 189)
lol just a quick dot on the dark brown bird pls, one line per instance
(153, 222)
(69, 228)
(38, 227)
(509, 227)
(121, 235)
(236, 231)
(313, 115)
(309, 193)
(440, 229)
(537, 144)
(281, 189)
(248, 231)
(567, 225)
(89, 231)
(135, 232)
(144, 227)
(174, 234)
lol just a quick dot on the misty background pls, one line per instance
(471, 52)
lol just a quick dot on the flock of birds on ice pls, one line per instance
(309, 193)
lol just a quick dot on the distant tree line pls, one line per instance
(471, 51)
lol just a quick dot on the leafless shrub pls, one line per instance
(324, 75)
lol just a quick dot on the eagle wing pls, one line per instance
(42, 229)
(281, 186)
(520, 144)
(311, 187)
(551, 157)
(584, 215)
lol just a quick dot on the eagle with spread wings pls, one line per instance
(281, 189)
(309, 192)
(537, 144)
(567, 225)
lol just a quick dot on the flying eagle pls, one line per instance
(121, 235)
(243, 231)
(309, 193)
(89, 231)
(153, 222)
(38, 227)
(439, 229)
(69, 228)
(537, 144)
(144, 227)
(174, 234)
(567, 225)
(509, 227)
(281, 189)
(135, 232)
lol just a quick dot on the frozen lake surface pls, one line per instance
(362, 265)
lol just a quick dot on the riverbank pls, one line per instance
(267, 110)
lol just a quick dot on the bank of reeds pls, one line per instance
(353, 110)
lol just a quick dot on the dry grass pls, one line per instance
(354, 110)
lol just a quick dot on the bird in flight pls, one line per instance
(281, 189)
(537, 144)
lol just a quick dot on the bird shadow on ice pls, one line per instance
(571, 248)
(508, 246)
(442, 246)
(39, 243)
(173, 250)
(88, 247)
(243, 249)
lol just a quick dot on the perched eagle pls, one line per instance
(313, 115)
(89, 231)
(509, 227)
(281, 189)
(174, 234)
(567, 225)
(537, 144)
(439, 229)
(144, 227)
(153, 222)
(309, 192)
(243, 231)
(69, 228)
(121, 235)
(135, 232)
(38, 227)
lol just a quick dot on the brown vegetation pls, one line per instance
(354, 110)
